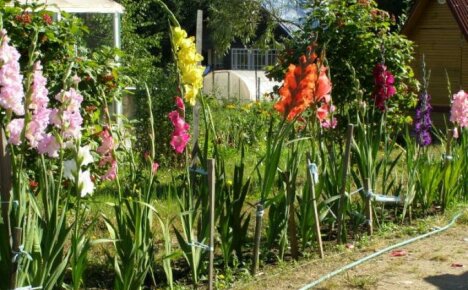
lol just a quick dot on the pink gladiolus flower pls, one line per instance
(323, 111)
(107, 145)
(154, 167)
(15, 128)
(106, 159)
(36, 128)
(329, 123)
(324, 86)
(39, 98)
(455, 133)
(180, 136)
(71, 98)
(49, 146)
(76, 79)
(111, 173)
(107, 142)
(68, 118)
(459, 109)
(180, 104)
(12, 93)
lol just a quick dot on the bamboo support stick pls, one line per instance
(344, 177)
(212, 186)
(258, 237)
(314, 205)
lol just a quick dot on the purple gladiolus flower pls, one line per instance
(422, 122)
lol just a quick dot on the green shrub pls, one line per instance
(355, 36)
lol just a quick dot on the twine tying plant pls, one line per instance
(19, 253)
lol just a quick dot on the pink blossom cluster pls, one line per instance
(180, 136)
(325, 113)
(11, 93)
(107, 157)
(36, 129)
(68, 117)
(459, 110)
(384, 88)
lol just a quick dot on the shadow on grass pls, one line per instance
(449, 282)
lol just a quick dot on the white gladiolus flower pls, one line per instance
(69, 169)
(84, 155)
(85, 183)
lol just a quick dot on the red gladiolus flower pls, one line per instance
(384, 87)
(33, 184)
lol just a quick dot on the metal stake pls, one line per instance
(212, 186)
(370, 219)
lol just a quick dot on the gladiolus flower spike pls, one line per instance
(187, 62)
(422, 123)
(180, 136)
(384, 88)
(459, 109)
(305, 84)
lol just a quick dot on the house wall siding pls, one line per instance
(438, 36)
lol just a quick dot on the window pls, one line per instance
(251, 59)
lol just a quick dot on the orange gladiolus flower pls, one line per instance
(304, 84)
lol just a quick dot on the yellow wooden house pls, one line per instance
(439, 29)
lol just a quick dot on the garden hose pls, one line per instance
(378, 253)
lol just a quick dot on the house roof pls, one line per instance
(290, 14)
(81, 6)
(459, 9)
(460, 12)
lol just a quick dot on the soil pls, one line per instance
(437, 262)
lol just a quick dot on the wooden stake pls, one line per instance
(5, 183)
(292, 233)
(198, 44)
(258, 237)
(16, 249)
(370, 219)
(212, 186)
(344, 177)
(314, 205)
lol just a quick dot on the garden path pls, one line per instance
(438, 262)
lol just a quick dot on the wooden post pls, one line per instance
(344, 177)
(292, 233)
(196, 109)
(16, 249)
(5, 183)
(212, 186)
(448, 156)
(370, 219)
(314, 205)
(258, 236)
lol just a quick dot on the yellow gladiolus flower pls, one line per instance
(188, 62)
(190, 94)
(179, 34)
